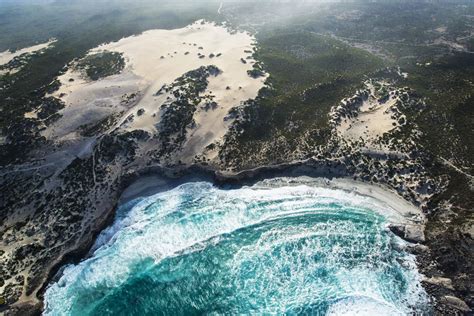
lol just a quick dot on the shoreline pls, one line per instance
(148, 185)
(405, 219)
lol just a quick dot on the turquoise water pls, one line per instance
(271, 248)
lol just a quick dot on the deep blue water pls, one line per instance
(267, 249)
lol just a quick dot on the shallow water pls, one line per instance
(274, 247)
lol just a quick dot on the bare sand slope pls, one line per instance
(90, 101)
(153, 59)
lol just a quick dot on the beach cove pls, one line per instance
(283, 244)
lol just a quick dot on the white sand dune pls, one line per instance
(153, 59)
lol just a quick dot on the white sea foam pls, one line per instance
(362, 306)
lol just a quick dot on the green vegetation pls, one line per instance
(17, 62)
(101, 126)
(311, 70)
(447, 123)
(309, 74)
(100, 65)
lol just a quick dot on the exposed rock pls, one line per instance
(398, 230)
(418, 249)
(415, 233)
(455, 303)
(440, 281)
(411, 233)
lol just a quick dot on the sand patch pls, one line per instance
(156, 58)
(372, 119)
(31, 115)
